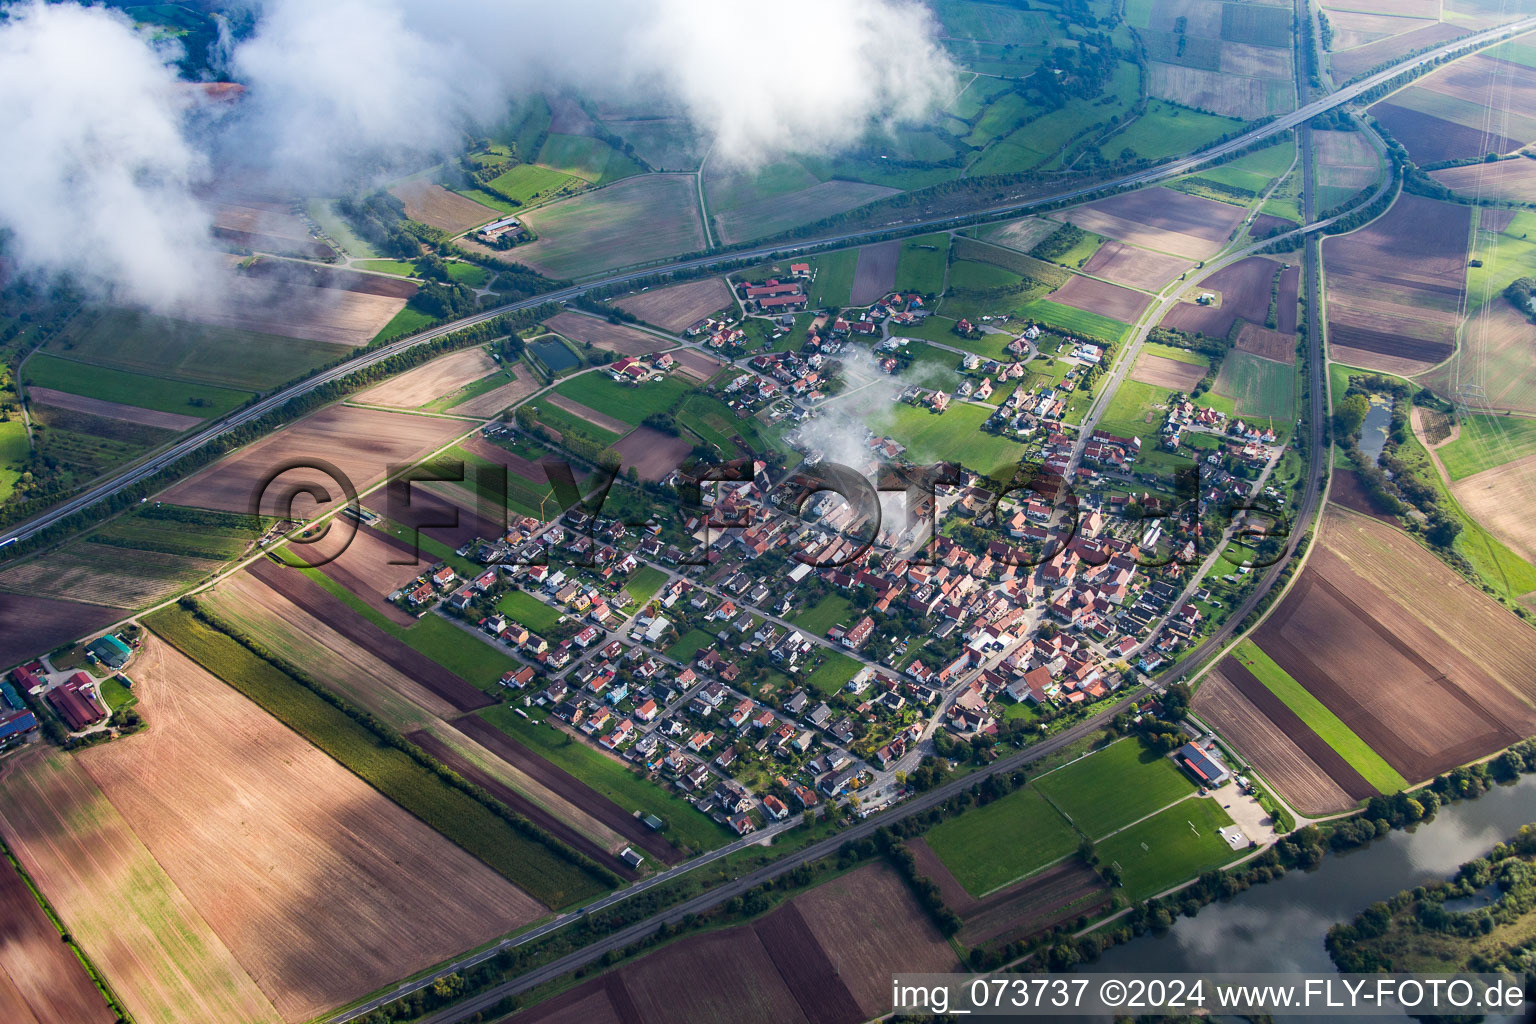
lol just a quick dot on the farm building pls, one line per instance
(14, 723)
(111, 650)
(76, 702)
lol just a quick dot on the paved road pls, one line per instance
(153, 465)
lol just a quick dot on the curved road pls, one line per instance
(156, 463)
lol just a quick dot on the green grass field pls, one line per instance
(833, 674)
(920, 267)
(1169, 848)
(323, 213)
(586, 157)
(14, 450)
(466, 656)
(610, 778)
(834, 278)
(407, 321)
(1133, 410)
(956, 434)
(109, 385)
(1076, 321)
(1182, 355)
(631, 403)
(644, 218)
(824, 614)
(1009, 838)
(1114, 786)
(162, 347)
(399, 268)
(1253, 172)
(1167, 130)
(1486, 442)
(537, 867)
(1322, 721)
(716, 424)
(1261, 388)
(168, 529)
(528, 610)
(566, 423)
(642, 586)
(530, 183)
(689, 644)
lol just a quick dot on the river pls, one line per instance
(1280, 926)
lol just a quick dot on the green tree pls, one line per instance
(1349, 414)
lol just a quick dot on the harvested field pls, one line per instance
(1134, 268)
(626, 341)
(1161, 219)
(362, 443)
(1348, 64)
(1245, 288)
(1260, 388)
(1267, 344)
(1501, 95)
(1431, 139)
(112, 410)
(492, 402)
(518, 802)
(773, 214)
(36, 625)
(532, 471)
(875, 275)
(330, 611)
(434, 205)
(743, 982)
(1356, 28)
(1058, 894)
(1500, 499)
(1217, 91)
(269, 227)
(130, 577)
(415, 388)
(1283, 748)
(1109, 300)
(41, 980)
(1508, 179)
(1266, 223)
(319, 884)
(1167, 373)
(352, 670)
(696, 364)
(1428, 682)
(568, 787)
(162, 958)
(806, 968)
(296, 275)
(598, 419)
(1345, 160)
(338, 316)
(1497, 355)
(679, 306)
(1025, 234)
(653, 453)
(466, 515)
(870, 918)
(373, 566)
(642, 218)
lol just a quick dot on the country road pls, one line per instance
(169, 456)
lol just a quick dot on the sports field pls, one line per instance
(1112, 787)
(1005, 840)
(1168, 848)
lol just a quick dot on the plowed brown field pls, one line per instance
(680, 306)
(41, 980)
(1135, 268)
(441, 376)
(626, 341)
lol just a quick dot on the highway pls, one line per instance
(149, 467)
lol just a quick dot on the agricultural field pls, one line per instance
(185, 401)
(1021, 235)
(1113, 787)
(1412, 26)
(1242, 180)
(586, 157)
(1395, 287)
(1465, 110)
(643, 218)
(129, 564)
(1167, 130)
(1513, 179)
(652, 453)
(362, 443)
(772, 215)
(158, 346)
(920, 267)
(14, 449)
(1169, 847)
(528, 184)
(832, 278)
(212, 764)
(1162, 220)
(1003, 841)
(667, 144)
(875, 275)
(1109, 301)
(1259, 388)
(1291, 758)
(1346, 164)
(1135, 268)
(824, 957)
(1168, 372)
(41, 980)
(266, 227)
(442, 376)
(679, 306)
(298, 307)
(437, 207)
(1442, 659)
(1078, 322)
(161, 956)
(1227, 59)
(1500, 500)
(599, 333)
(1243, 291)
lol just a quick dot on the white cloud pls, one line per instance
(96, 171)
